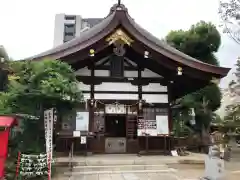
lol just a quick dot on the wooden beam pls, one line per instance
(129, 63)
(102, 63)
(149, 64)
(107, 67)
(134, 81)
(124, 92)
(167, 63)
(77, 62)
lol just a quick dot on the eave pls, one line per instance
(96, 38)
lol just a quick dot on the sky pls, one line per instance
(27, 26)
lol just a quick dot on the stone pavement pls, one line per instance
(126, 176)
(131, 159)
(128, 172)
(132, 167)
(122, 172)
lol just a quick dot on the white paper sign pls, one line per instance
(174, 153)
(147, 127)
(48, 123)
(162, 125)
(76, 133)
(82, 121)
(115, 109)
(83, 139)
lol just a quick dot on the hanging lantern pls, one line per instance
(146, 54)
(179, 71)
(92, 102)
(92, 52)
(95, 104)
(140, 104)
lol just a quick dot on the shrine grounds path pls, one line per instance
(132, 167)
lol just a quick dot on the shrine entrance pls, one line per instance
(115, 125)
(115, 132)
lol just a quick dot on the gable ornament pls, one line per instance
(119, 36)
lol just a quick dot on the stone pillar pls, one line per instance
(214, 165)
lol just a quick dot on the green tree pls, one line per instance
(41, 85)
(32, 88)
(37, 86)
(233, 109)
(229, 11)
(201, 41)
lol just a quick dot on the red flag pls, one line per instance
(4, 135)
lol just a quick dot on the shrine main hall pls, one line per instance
(129, 79)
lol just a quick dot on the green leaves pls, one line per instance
(233, 109)
(45, 83)
(229, 14)
(200, 42)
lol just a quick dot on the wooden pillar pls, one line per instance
(170, 120)
(140, 111)
(139, 85)
(169, 89)
(91, 107)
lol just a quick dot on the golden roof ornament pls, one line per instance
(119, 35)
(179, 71)
(92, 52)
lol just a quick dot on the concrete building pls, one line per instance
(3, 54)
(68, 27)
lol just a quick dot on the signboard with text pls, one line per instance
(82, 121)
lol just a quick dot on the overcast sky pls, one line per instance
(27, 26)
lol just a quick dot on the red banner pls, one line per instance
(4, 135)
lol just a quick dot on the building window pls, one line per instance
(116, 66)
(69, 17)
(69, 32)
(69, 29)
(68, 38)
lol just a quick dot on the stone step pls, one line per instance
(169, 170)
(118, 168)
(109, 162)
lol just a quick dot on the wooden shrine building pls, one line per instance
(129, 79)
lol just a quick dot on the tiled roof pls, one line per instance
(92, 21)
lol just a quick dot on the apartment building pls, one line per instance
(68, 27)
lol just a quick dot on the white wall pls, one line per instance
(154, 87)
(112, 96)
(155, 98)
(125, 87)
(146, 73)
(83, 87)
(116, 87)
(149, 73)
(117, 96)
